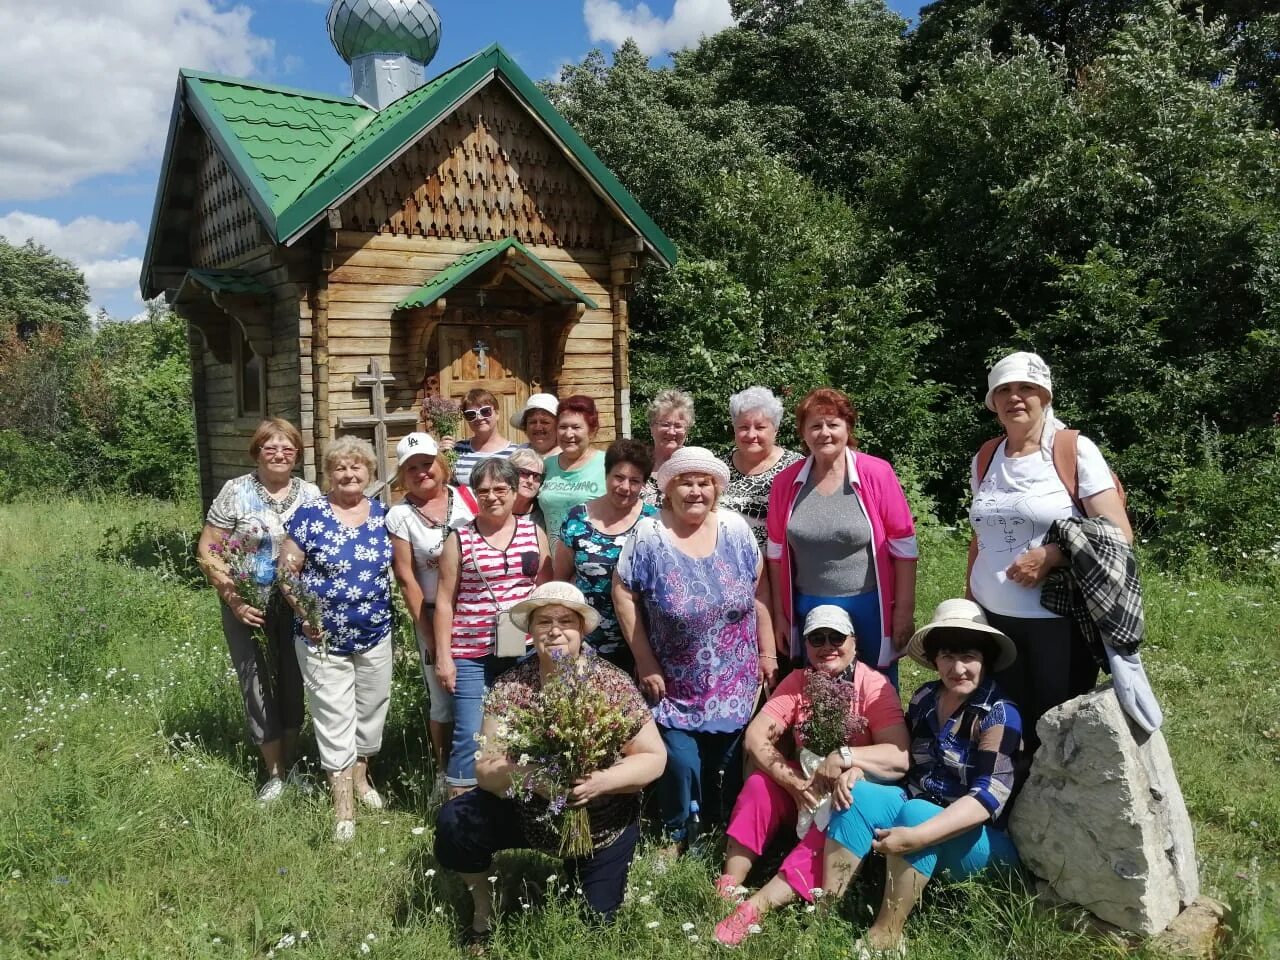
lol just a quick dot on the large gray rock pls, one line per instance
(1101, 818)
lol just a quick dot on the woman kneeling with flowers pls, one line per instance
(847, 723)
(564, 734)
(966, 749)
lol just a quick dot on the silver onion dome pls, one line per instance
(407, 27)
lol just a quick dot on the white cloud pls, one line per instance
(610, 22)
(86, 86)
(94, 245)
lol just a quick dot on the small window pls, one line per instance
(251, 380)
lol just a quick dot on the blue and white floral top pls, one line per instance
(349, 569)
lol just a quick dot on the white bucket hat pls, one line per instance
(539, 401)
(414, 444)
(828, 617)
(556, 593)
(961, 614)
(1020, 367)
(692, 460)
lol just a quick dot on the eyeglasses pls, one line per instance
(476, 413)
(279, 451)
(672, 425)
(824, 638)
(492, 493)
(530, 475)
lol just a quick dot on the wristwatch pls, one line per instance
(846, 757)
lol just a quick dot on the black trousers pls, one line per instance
(473, 827)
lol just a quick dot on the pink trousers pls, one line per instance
(764, 808)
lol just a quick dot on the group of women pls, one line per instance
(709, 586)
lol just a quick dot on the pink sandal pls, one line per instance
(740, 924)
(727, 888)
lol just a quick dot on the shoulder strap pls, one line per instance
(987, 453)
(1066, 445)
(468, 498)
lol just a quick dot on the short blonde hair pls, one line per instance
(669, 401)
(350, 448)
(527, 458)
(274, 427)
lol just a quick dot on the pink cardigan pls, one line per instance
(893, 532)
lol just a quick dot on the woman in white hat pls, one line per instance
(966, 752)
(418, 528)
(704, 641)
(1035, 473)
(537, 418)
(781, 794)
(476, 825)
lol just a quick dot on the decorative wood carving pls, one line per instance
(225, 227)
(485, 172)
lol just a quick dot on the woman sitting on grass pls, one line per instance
(863, 717)
(966, 746)
(474, 826)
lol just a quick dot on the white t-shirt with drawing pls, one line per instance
(1013, 507)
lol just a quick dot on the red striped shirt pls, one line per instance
(510, 576)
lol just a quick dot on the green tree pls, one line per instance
(40, 291)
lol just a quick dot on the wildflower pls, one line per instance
(686, 926)
(419, 831)
(430, 872)
(652, 924)
(493, 879)
(371, 937)
(364, 948)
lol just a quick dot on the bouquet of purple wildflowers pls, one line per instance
(308, 603)
(441, 415)
(833, 718)
(252, 571)
(569, 729)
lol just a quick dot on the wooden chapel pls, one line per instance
(340, 259)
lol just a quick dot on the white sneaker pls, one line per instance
(372, 799)
(271, 791)
(344, 831)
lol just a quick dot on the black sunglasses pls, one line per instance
(824, 638)
(530, 475)
(486, 411)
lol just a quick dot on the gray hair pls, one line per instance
(669, 401)
(753, 399)
(494, 469)
(526, 457)
(348, 447)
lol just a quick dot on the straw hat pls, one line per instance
(692, 460)
(555, 593)
(962, 614)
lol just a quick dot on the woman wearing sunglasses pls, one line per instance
(480, 411)
(876, 742)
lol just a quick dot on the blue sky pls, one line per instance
(85, 98)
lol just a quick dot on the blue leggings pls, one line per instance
(864, 610)
(701, 780)
(878, 807)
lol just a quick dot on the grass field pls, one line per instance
(128, 826)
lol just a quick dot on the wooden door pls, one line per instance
(493, 356)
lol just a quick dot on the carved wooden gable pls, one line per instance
(485, 172)
(225, 228)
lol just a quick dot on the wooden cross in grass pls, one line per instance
(376, 381)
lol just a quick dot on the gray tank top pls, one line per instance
(830, 541)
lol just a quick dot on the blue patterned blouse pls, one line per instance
(348, 568)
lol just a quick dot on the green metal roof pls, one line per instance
(222, 281)
(532, 269)
(298, 153)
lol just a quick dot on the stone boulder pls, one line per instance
(1101, 818)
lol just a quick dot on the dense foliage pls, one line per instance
(888, 211)
(87, 407)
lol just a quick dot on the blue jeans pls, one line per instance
(878, 807)
(701, 780)
(475, 677)
(864, 610)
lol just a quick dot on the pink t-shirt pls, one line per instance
(876, 700)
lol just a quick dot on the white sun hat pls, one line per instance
(692, 460)
(558, 594)
(539, 401)
(961, 614)
(1020, 367)
(414, 444)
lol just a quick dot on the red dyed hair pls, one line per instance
(585, 407)
(830, 402)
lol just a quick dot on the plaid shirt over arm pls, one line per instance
(1099, 587)
(976, 754)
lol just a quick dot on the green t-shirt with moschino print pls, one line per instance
(562, 490)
